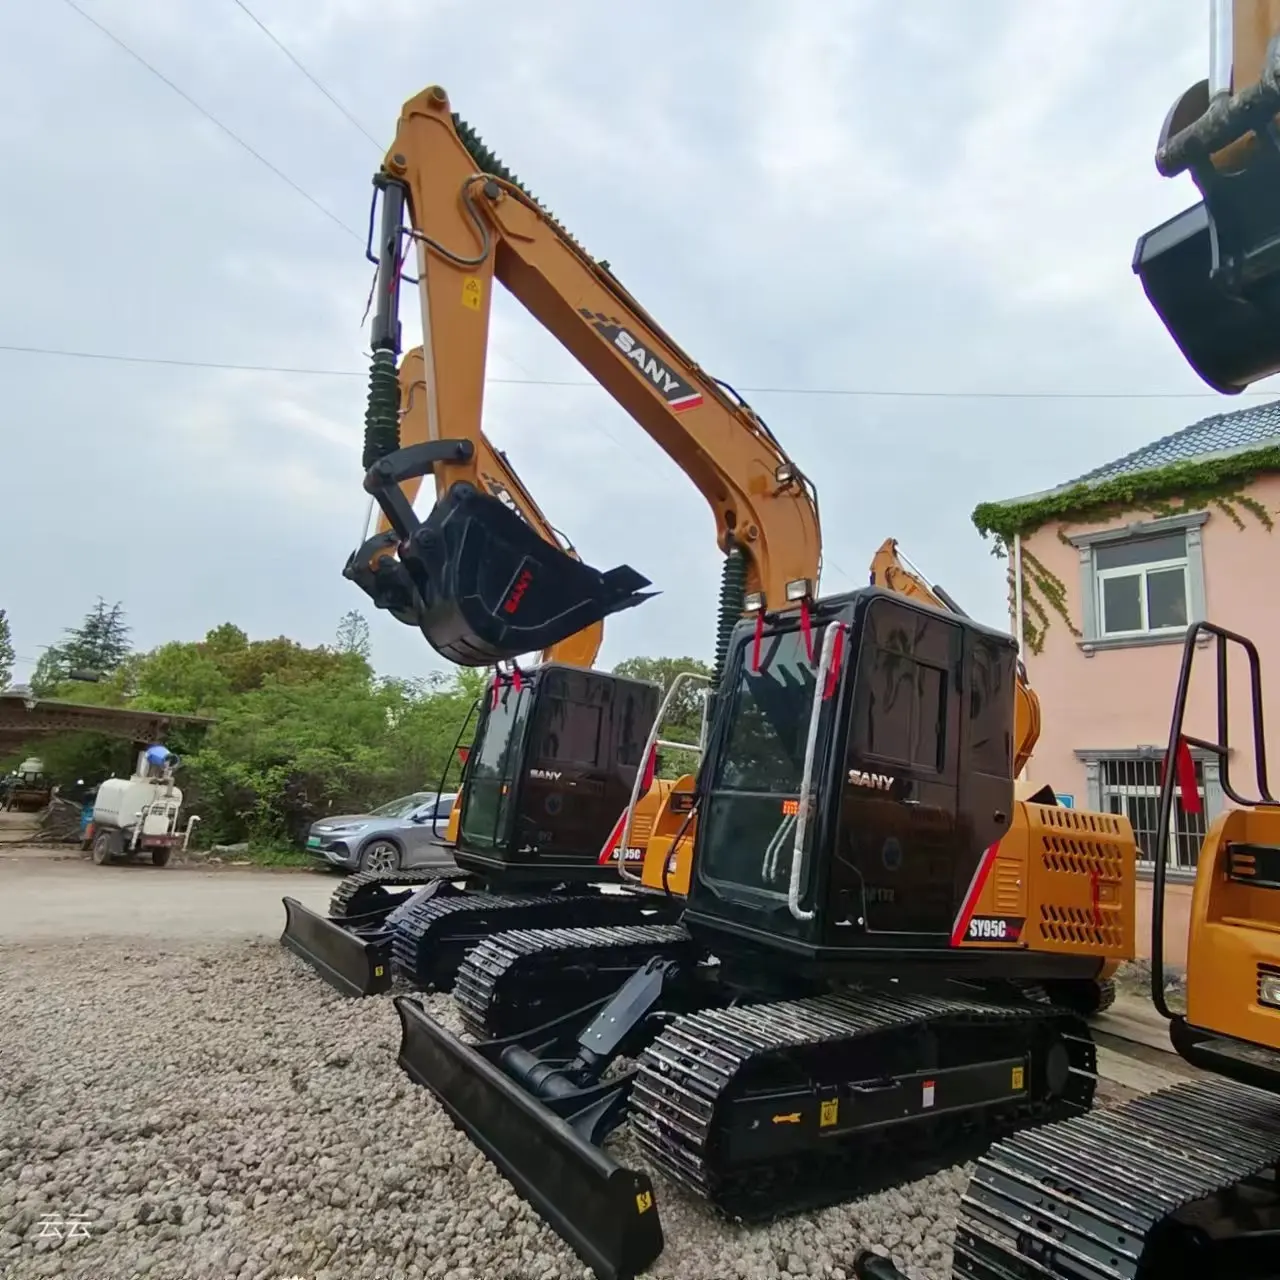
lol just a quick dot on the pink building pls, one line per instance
(1115, 565)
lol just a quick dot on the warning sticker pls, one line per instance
(926, 1099)
(377, 971)
(828, 1112)
(644, 1201)
(1018, 1076)
(471, 293)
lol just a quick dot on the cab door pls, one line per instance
(895, 845)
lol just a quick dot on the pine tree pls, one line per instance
(7, 655)
(95, 648)
(101, 642)
(353, 634)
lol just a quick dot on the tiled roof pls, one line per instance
(1240, 431)
(1243, 429)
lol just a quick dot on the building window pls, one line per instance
(1128, 783)
(1143, 584)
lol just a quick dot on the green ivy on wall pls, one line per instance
(1164, 491)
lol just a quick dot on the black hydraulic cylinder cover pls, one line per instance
(493, 589)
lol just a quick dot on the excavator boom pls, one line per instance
(487, 589)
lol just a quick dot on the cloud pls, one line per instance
(849, 195)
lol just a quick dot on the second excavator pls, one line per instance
(556, 751)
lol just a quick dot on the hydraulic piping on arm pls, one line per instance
(488, 587)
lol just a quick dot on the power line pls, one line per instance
(853, 392)
(208, 115)
(279, 44)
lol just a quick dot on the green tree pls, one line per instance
(353, 634)
(684, 716)
(100, 644)
(7, 656)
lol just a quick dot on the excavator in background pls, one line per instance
(1212, 273)
(854, 988)
(1183, 1183)
(556, 751)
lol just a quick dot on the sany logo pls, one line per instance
(876, 781)
(547, 775)
(678, 394)
(512, 602)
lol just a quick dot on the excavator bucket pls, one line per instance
(1231, 338)
(493, 589)
(353, 960)
(605, 1212)
(1213, 272)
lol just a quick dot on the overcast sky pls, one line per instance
(849, 195)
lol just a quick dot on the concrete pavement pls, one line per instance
(46, 897)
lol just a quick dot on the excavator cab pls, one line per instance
(882, 733)
(1212, 273)
(557, 751)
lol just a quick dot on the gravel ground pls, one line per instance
(214, 1110)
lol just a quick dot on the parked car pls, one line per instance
(400, 835)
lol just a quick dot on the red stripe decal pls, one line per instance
(614, 839)
(976, 886)
(688, 402)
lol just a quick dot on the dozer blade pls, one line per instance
(348, 962)
(492, 589)
(604, 1211)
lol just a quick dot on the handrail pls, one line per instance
(1222, 750)
(834, 630)
(652, 742)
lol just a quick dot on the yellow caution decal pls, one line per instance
(1018, 1077)
(471, 293)
(644, 1201)
(828, 1113)
(793, 1118)
(377, 971)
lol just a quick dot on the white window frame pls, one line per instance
(1141, 570)
(1091, 578)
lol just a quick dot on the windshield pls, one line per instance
(493, 767)
(402, 807)
(751, 806)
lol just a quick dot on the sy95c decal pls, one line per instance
(994, 929)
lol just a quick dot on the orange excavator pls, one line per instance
(855, 980)
(1182, 1183)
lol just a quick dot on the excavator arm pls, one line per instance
(378, 572)
(1212, 273)
(890, 569)
(486, 588)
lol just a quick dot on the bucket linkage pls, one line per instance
(478, 581)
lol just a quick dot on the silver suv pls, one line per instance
(399, 835)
